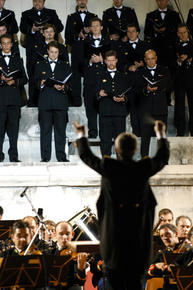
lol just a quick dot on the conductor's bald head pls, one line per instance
(125, 145)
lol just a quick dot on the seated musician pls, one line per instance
(165, 216)
(21, 237)
(33, 224)
(159, 267)
(63, 246)
(187, 257)
(183, 224)
(49, 236)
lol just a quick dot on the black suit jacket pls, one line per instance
(154, 20)
(125, 206)
(39, 52)
(154, 103)
(74, 25)
(30, 16)
(189, 21)
(50, 98)
(184, 72)
(115, 25)
(127, 55)
(113, 87)
(9, 19)
(11, 95)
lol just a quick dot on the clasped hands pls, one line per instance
(115, 98)
(9, 81)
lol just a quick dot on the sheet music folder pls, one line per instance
(23, 271)
(50, 82)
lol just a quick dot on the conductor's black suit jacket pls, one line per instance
(125, 206)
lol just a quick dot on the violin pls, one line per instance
(32, 251)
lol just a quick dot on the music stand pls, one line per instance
(23, 271)
(5, 229)
(183, 276)
(58, 272)
(170, 257)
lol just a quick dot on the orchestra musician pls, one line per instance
(33, 224)
(62, 247)
(159, 267)
(183, 224)
(21, 237)
(165, 216)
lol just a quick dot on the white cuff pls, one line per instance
(80, 135)
(160, 135)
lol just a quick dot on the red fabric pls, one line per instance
(88, 284)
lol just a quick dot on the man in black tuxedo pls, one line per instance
(8, 17)
(53, 103)
(183, 84)
(63, 246)
(189, 21)
(160, 30)
(38, 52)
(154, 81)
(77, 29)
(10, 100)
(131, 59)
(111, 87)
(95, 47)
(131, 53)
(125, 195)
(32, 22)
(116, 19)
(3, 31)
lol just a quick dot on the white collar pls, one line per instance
(3, 53)
(97, 37)
(110, 70)
(164, 10)
(134, 40)
(80, 11)
(150, 68)
(118, 7)
(52, 60)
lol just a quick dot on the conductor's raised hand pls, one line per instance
(79, 128)
(160, 128)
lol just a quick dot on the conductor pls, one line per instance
(126, 201)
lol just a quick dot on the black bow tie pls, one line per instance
(6, 55)
(163, 12)
(97, 39)
(133, 43)
(118, 9)
(52, 61)
(82, 12)
(113, 71)
(152, 69)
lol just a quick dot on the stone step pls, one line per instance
(29, 136)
